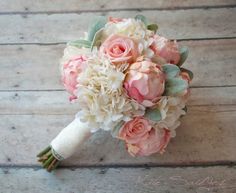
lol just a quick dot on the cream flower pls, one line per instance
(100, 96)
(128, 27)
(72, 51)
(171, 109)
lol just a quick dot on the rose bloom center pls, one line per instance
(117, 49)
(137, 128)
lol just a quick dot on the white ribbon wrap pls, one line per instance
(69, 139)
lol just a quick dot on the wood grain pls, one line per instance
(113, 180)
(179, 24)
(212, 61)
(26, 6)
(57, 102)
(34, 106)
(207, 135)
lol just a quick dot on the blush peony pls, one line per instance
(145, 82)
(70, 72)
(166, 49)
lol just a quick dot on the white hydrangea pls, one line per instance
(100, 96)
(129, 27)
(171, 109)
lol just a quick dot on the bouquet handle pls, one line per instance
(65, 144)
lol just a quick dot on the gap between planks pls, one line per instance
(147, 165)
(59, 90)
(64, 43)
(140, 9)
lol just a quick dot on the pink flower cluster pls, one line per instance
(144, 82)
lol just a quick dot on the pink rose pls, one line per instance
(70, 72)
(145, 82)
(156, 142)
(135, 130)
(119, 49)
(142, 139)
(115, 20)
(166, 49)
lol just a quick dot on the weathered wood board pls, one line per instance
(34, 106)
(178, 24)
(207, 135)
(213, 64)
(120, 180)
(57, 102)
(94, 5)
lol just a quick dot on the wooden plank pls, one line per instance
(80, 5)
(35, 67)
(179, 24)
(219, 179)
(56, 102)
(206, 135)
(30, 67)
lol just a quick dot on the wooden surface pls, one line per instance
(25, 6)
(18, 69)
(34, 106)
(122, 180)
(60, 27)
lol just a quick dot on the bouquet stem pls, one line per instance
(64, 145)
(47, 159)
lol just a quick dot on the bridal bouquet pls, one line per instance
(126, 79)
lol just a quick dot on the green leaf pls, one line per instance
(80, 43)
(183, 55)
(190, 73)
(175, 86)
(97, 38)
(116, 129)
(153, 114)
(152, 27)
(142, 18)
(98, 24)
(171, 70)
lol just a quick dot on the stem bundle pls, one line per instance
(47, 159)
